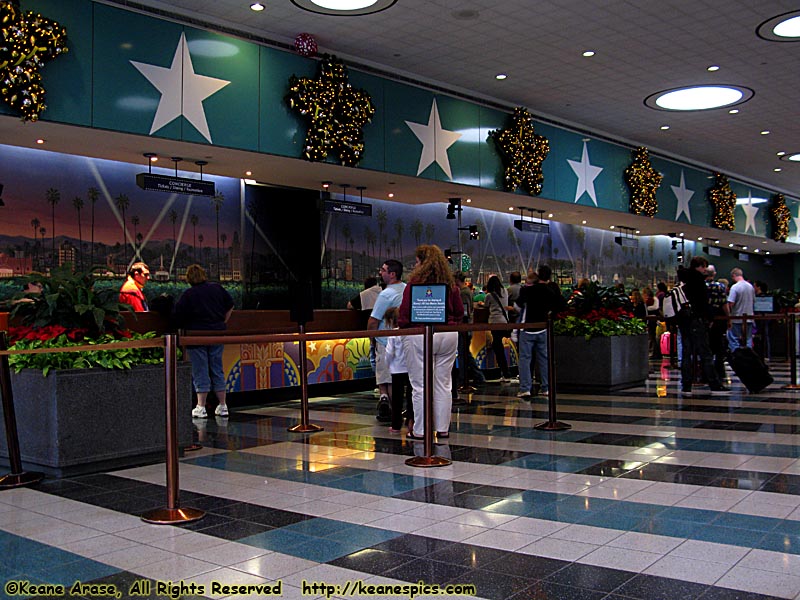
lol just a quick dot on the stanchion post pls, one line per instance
(428, 460)
(792, 351)
(17, 477)
(303, 426)
(552, 423)
(172, 513)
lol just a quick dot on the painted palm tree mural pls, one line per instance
(92, 194)
(217, 201)
(194, 220)
(53, 197)
(35, 224)
(122, 202)
(77, 204)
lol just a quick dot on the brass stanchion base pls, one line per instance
(553, 426)
(300, 428)
(13, 480)
(171, 516)
(467, 389)
(193, 448)
(428, 461)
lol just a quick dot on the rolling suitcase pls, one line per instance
(750, 369)
(665, 343)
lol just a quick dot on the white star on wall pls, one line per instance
(435, 142)
(586, 175)
(182, 90)
(683, 196)
(750, 212)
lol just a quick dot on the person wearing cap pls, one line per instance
(717, 307)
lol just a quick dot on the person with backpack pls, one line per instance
(694, 322)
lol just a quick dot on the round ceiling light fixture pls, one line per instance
(348, 8)
(781, 28)
(699, 97)
(791, 157)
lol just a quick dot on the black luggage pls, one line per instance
(750, 369)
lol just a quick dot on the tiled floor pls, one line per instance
(650, 495)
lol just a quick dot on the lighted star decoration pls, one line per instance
(435, 142)
(682, 195)
(750, 212)
(780, 218)
(336, 113)
(522, 152)
(643, 181)
(586, 173)
(182, 90)
(28, 41)
(723, 200)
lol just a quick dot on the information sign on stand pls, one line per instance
(428, 303)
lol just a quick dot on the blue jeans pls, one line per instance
(207, 372)
(736, 336)
(530, 343)
(694, 335)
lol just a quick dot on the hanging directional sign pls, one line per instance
(175, 185)
(348, 208)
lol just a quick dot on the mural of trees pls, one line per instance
(194, 220)
(92, 194)
(77, 203)
(122, 202)
(217, 201)
(53, 196)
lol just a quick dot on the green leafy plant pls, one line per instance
(124, 358)
(597, 311)
(70, 300)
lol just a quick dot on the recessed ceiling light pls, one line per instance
(712, 68)
(637, 231)
(583, 222)
(767, 252)
(511, 208)
(588, 53)
(153, 159)
(781, 153)
(664, 127)
(744, 247)
(681, 234)
(733, 111)
(758, 250)
(777, 169)
(248, 173)
(794, 157)
(612, 227)
(765, 132)
(781, 28)
(765, 242)
(344, 7)
(700, 238)
(391, 195)
(550, 216)
(257, 6)
(716, 241)
(731, 246)
(699, 97)
(469, 200)
(40, 141)
(500, 76)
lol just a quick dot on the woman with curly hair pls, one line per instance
(432, 267)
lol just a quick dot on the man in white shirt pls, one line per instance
(740, 301)
(391, 272)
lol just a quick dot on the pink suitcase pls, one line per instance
(665, 342)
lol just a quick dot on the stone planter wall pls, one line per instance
(89, 420)
(601, 364)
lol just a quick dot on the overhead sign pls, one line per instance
(175, 185)
(532, 226)
(348, 208)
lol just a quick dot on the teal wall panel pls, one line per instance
(374, 143)
(405, 103)
(282, 131)
(69, 75)
(232, 112)
(462, 118)
(123, 99)
(491, 164)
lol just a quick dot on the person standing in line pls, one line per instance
(740, 303)
(432, 267)
(401, 386)
(694, 328)
(465, 337)
(718, 307)
(131, 291)
(391, 272)
(535, 302)
(366, 298)
(497, 303)
(653, 314)
(205, 306)
(514, 287)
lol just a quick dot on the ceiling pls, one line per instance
(641, 47)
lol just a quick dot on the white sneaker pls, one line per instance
(221, 410)
(524, 395)
(199, 412)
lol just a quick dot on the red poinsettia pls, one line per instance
(48, 332)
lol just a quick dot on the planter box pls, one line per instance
(88, 420)
(601, 364)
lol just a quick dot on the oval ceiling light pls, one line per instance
(793, 157)
(781, 28)
(699, 97)
(501, 76)
(344, 7)
(256, 7)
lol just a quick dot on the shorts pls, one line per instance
(382, 373)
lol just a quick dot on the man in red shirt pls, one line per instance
(131, 291)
